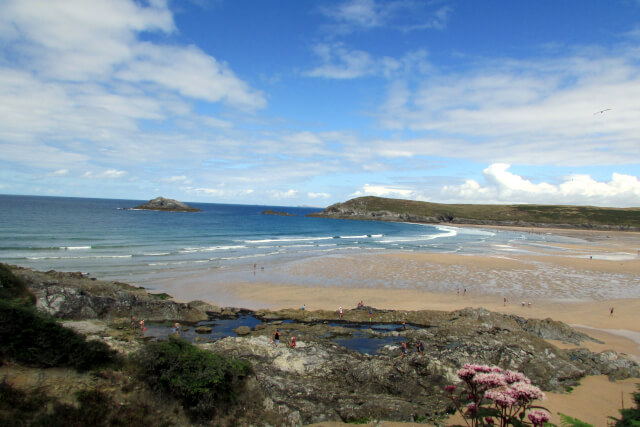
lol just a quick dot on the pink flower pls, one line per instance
(466, 373)
(538, 418)
(472, 408)
(502, 397)
(481, 368)
(526, 392)
(491, 380)
(489, 420)
(450, 388)
(513, 377)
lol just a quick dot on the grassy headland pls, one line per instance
(558, 216)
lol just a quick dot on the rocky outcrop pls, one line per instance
(73, 296)
(319, 380)
(575, 217)
(170, 205)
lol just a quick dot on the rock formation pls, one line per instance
(319, 380)
(170, 205)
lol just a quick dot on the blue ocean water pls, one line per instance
(101, 237)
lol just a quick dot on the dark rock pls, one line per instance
(203, 330)
(242, 330)
(170, 205)
(68, 296)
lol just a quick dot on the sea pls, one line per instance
(106, 239)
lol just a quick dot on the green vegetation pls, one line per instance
(95, 408)
(13, 288)
(36, 339)
(163, 296)
(201, 380)
(534, 214)
(568, 421)
(631, 416)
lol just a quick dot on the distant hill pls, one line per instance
(162, 204)
(559, 216)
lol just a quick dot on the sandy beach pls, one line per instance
(574, 283)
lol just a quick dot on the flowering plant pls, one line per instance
(497, 397)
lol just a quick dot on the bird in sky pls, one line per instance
(602, 111)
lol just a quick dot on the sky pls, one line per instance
(302, 103)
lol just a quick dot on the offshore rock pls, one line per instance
(162, 204)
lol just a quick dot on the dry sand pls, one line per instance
(574, 283)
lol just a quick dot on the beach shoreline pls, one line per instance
(577, 284)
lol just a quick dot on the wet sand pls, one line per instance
(574, 283)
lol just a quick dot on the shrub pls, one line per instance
(200, 379)
(36, 339)
(95, 408)
(14, 288)
(631, 416)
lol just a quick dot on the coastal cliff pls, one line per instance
(318, 380)
(548, 216)
(169, 205)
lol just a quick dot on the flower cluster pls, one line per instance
(505, 394)
(538, 418)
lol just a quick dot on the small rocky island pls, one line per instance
(272, 212)
(170, 205)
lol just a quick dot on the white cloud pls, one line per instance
(502, 186)
(190, 72)
(107, 174)
(76, 79)
(384, 191)
(338, 62)
(219, 192)
(525, 112)
(318, 195)
(402, 15)
(60, 172)
(180, 179)
(287, 194)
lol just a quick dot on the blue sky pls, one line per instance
(312, 103)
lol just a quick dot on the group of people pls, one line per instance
(419, 348)
(275, 339)
(135, 324)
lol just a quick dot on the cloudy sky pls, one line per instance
(311, 103)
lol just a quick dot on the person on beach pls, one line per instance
(142, 327)
(176, 329)
(505, 301)
(420, 347)
(292, 344)
(404, 325)
(403, 347)
(134, 323)
(611, 312)
(276, 337)
(304, 306)
(465, 292)
(370, 315)
(340, 312)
